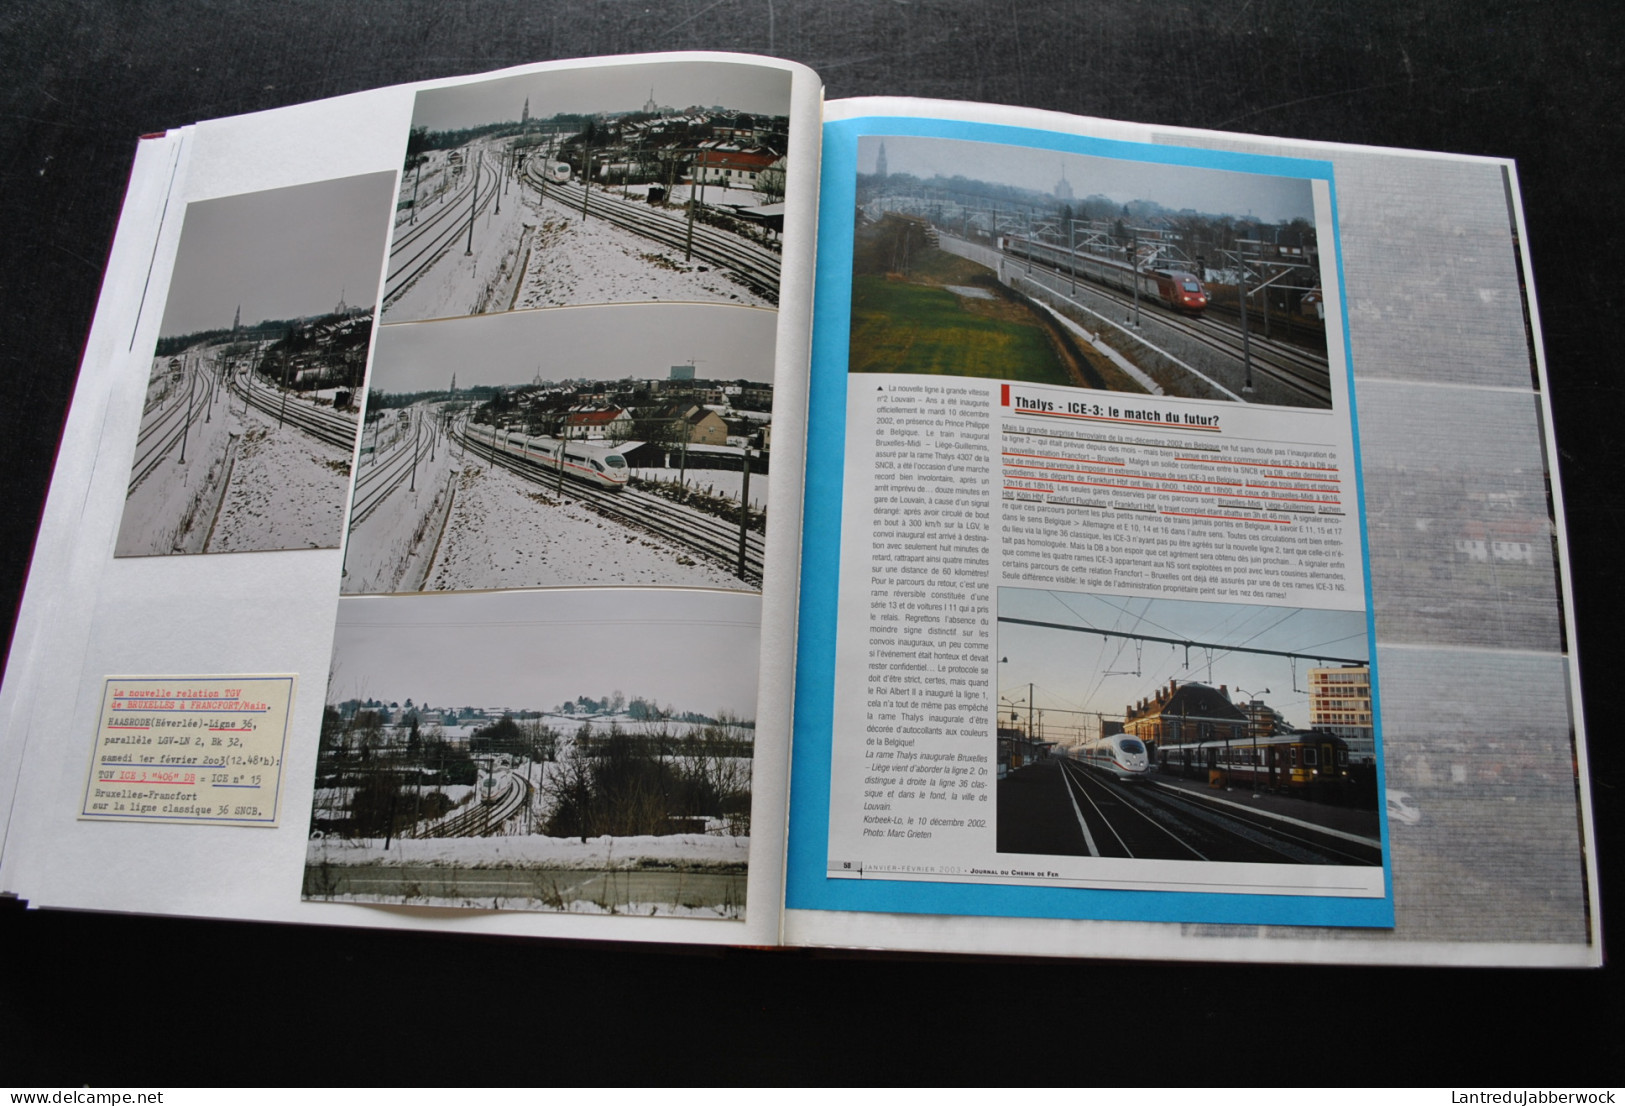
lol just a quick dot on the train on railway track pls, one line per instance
(1173, 288)
(1313, 763)
(495, 778)
(595, 463)
(1120, 755)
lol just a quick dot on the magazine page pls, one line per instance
(1089, 627)
(438, 479)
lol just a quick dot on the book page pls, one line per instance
(467, 403)
(1104, 624)
(1098, 637)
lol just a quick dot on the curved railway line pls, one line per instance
(323, 424)
(1303, 372)
(382, 475)
(158, 437)
(478, 818)
(425, 242)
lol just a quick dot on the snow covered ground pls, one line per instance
(502, 531)
(508, 532)
(521, 851)
(287, 490)
(541, 253)
(717, 481)
(247, 485)
(696, 874)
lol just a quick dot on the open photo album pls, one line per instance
(637, 499)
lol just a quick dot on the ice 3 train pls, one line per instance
(592, 462)
(1120, 755)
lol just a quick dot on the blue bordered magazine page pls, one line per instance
(1131, 595)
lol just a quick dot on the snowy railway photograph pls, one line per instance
(658, 182)
(587, 752)
(251, 408)
(626, 445)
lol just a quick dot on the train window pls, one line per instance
(1192, 286)
(1130, 745)
(1309, 756)
(1343, 757)
(1293, 759)
(615, 461)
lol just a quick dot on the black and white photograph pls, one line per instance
(253, 401)
(592, 185)
(572, 751)
(1018, 263)
(626, 445)
(1164, 729)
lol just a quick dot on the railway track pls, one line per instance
(158, 437)
(1303, 372)
(323, 424)
(757, 267)
(375, 481)
(412, 253)
(478, 819)
(1150, 820)
(714, 538)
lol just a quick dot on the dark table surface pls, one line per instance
(1539, 82)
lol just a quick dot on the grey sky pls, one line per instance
(610, 89)
(597, 343)
(1069, 670)
(693, 650)
(279, 254)
(1207, 191)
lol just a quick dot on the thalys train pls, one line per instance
(1121, 756)
(1308, 761)
(592, 462)
(1172, 288)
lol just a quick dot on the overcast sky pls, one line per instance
(279, 254)
(611, 89)
(1207, 191)
(562, 343)
(1069, 670)
(692, 650)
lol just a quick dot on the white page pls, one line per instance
(89, 614)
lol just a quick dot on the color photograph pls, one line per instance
(621, 445)
(252, 405)
(586, 752)
(1162, 729)
(592, 185)
(1016, 263)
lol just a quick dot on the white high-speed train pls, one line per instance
(594, 462)
(1120, 755)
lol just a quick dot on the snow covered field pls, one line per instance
(503, 531)
(513, 864)
(726, 482)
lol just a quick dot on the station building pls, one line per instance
(1186, 712)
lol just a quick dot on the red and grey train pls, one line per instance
(1173, 288)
